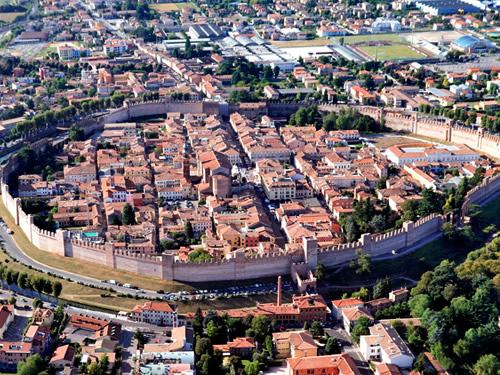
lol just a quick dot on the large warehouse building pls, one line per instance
(472, 44)
(437, 7)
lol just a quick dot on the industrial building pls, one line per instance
(437, 7)
(205, 31)
(257, 50)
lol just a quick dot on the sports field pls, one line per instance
(371, 38)
(391, 52)
(9, 17)
(171, 7)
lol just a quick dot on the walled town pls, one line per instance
(282, 187)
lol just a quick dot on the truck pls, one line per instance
(112, 282)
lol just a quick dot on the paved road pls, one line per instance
(349, 347)
(14, 251)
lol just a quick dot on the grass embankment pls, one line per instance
(414, 264)
(92, 296)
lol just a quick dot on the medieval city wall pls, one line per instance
(240, 266)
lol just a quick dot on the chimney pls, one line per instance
(279, 291)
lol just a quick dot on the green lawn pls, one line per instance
(391, 52)
(417, 262)
(372, 37)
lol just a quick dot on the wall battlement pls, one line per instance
(240, 266)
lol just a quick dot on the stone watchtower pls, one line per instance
(310, 252)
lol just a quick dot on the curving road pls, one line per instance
(13, 250)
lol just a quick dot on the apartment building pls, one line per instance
(160, 313)
(385, 345)
(278, 187)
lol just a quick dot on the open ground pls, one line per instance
(172, 7)
(433, 36)
(9, 17)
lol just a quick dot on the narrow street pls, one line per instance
(349, 347)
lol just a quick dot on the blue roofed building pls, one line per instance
(472, 44)
(437, 7)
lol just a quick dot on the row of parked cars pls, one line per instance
(5, 227)
(233, 291)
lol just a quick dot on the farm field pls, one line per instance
(302, 43)
(172, 7)
(391, 52)
(9, 17)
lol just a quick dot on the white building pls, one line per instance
(160, 313)
(385, 24)
(347, 303)
(430, 153)
(385, 345)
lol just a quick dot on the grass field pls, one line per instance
(302, 43)
(371, 37)
(412, 265)
(384, 142)
(9, 17)
(391, 52)
(172, 7)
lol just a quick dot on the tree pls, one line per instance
(363, 263)
(419, 304)
(361, 328)
(332, 346)
(350, 229)
(37, 283)
(381, 183)
(450, 232)
(128, 215)
(22, 280)
(33, 365)
(276, 71)
(37, 303)
(260, 325)
(320, 271)
(269, 344)
(188, 230)
(252, 368)
(57, 288)
(12, 300)
(316, 329)
(139, 337)
(203, 346)
(487, 365)
(47, 286)
(268, 73)
(382, 288)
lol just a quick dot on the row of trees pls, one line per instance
(49, 117)
(31, 281)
